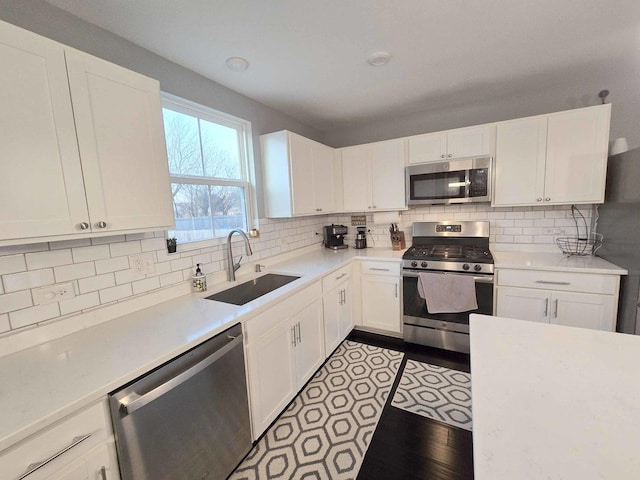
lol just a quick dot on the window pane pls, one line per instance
(228, 209)
(221, 149)
(183, 143)
(192, 210)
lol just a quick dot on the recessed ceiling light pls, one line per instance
(379, 58)
(237, 64)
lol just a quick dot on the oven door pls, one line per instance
(443, 330)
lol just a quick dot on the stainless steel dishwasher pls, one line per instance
(189, 418)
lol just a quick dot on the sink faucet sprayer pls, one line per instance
(235, 266)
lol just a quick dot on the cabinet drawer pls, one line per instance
(335, 278)
(572, 282)
(257, 326)
(380, 268)
(55, 441)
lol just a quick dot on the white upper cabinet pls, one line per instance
(81, 144)
(122, 147)
(373, 176)
(459, 143)
(553, 159)
(298, 175)
(41, 187)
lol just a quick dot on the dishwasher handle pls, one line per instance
(134, 401)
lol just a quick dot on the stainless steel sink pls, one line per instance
(247, 291)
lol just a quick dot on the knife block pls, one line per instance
(397, 241)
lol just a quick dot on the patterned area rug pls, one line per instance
(325, 432)
(435, 392)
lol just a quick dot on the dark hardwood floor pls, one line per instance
(409, 446)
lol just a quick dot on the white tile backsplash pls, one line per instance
(102, 274)
(52, 258)
(26, 280)
(12, 264)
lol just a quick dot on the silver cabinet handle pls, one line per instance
(133, 401)
(38, 465)
(101, 224)
(293, 336)
(539, 199)
(299, 334)
(380, 269)
(548, 282)
(341, 276)
(83, 226)
(375, 206)
(450, 155)
(442, 156)
(546, 307)
(555, 309)
(396, 289)
(103, 473)
(547, 199)
(344, 297)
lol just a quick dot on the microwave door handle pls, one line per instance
(467, 183)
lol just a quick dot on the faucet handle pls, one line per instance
(237, 265)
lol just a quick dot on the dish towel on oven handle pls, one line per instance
(447, 293)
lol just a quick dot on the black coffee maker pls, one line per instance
(333, 236)
(361, 238)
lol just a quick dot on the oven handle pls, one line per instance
(478, 279)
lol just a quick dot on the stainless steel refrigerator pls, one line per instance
(619, 222)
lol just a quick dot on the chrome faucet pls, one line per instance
(235, 266)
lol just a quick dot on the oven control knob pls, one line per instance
(477, 268)
(465, 266)
(424, 264)
(414, 264)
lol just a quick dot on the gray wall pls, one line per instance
(535, 94)
(54, 23)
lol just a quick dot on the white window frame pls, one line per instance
(247, 166)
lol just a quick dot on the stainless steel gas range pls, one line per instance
(446, 248)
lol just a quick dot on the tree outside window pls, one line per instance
(207, 166)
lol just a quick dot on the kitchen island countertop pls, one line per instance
(553, 402)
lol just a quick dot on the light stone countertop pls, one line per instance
(555, 261)
(44, 383)
(553, 402)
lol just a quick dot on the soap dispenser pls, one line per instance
(199, 280)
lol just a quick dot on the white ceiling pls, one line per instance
(308, 57)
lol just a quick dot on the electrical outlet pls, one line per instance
(142, 263)
(54, 293)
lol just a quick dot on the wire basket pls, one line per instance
(588, 245)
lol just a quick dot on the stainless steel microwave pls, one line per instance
(457, 181)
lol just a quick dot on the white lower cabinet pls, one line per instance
(337, 303)
(381, 283)
(284, 348)
(79, 447)
(571, 299)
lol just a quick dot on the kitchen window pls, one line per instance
(209, 170)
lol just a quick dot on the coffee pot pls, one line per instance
(361, 238)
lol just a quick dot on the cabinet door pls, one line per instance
(381, 302)
(523, 304)
(346, 315)
(41, 187)
(469, 142)
(271, 375)
(122, 148)
(302, 168)
(577, 143)
(323, 178)
(431, 147)
(355, 179)
(309, 350)
(387, 175)
(520, 162)
(99, 464)
(584, 310)
(332, 306)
